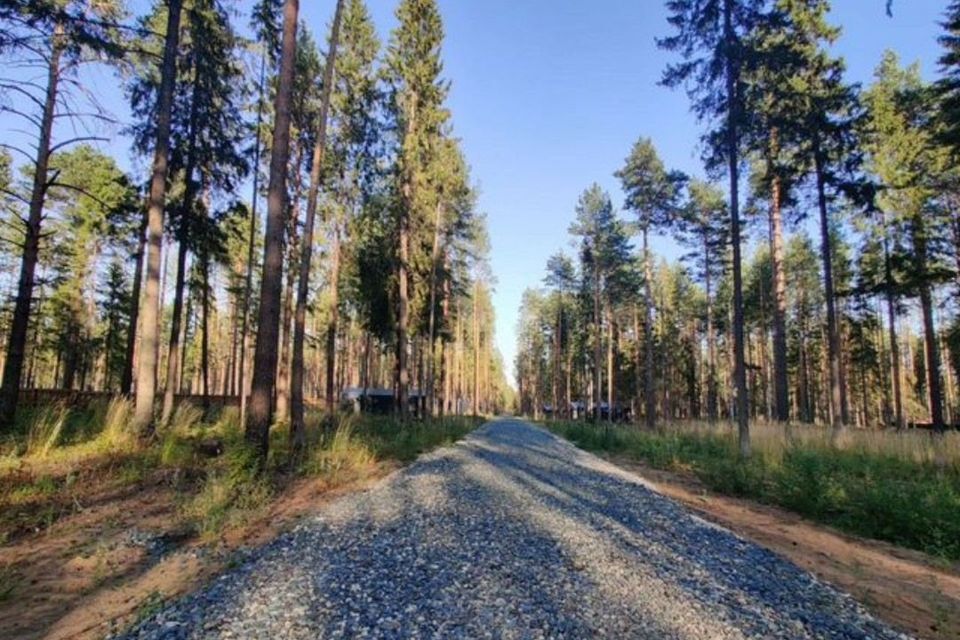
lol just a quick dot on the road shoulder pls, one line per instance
(907, 589)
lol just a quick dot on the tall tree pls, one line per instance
(712, 38)
(150, 310)
(604, 251)
(204, 155)
(297, 431)
(416, 95)
(904, 156)
(257, 428)
(827, 113)
(59, 37)
(702, 228)
(651, 193)
(561, 278)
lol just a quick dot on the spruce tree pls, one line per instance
(415, 104)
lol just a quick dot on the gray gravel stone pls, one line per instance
(512, 533)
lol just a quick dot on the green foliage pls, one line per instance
(875, 494)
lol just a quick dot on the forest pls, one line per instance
(816, 270)
(246, 280)
(302, 221)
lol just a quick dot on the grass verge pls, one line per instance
(903, 488)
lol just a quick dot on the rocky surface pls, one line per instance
(512, 533)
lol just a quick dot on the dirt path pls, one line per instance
(908, 589)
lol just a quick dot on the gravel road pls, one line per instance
(512, 533)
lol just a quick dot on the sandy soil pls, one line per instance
(118, 556)
(910, 590)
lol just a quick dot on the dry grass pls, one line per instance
(900, 487)
(771, 441)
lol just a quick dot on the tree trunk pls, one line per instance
(251, 243)
(733, 148)
(476, 349)
(444, 355)
(149, 342)
(649, 384)
(431, 331)
(17, 340)
(711, 337)
(409, 201)
(204, 331)
(126, 378)
(611, 355)
(257, 428)
(780, 382)
(934, 381)
(597, 341)
(297, 432)
(833, 334)
(173, 357)
(332, 326)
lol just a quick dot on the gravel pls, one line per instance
(512, 533)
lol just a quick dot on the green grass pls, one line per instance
(42, 458)
(886, 486)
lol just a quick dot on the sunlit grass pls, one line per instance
(900, 487)
(53, 446)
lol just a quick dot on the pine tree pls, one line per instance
(702, 228)
(205, 135)
(257, 428)
(156, 200)
(651, 193)
(604, 252)
(561, 278)
(59, 37)
(115, 311)
(712, 37)
(297, 430)
(948, 86)
(826, 112)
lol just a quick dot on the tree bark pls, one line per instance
(17, 340)
(833, 334)
(597, 341)
(333, 325)
(297, 431)
(733, 155)
(257, 428)
(649, 383)
(780, 383)
(934, 380)
(431, 331)
(176, 329)
(204, 331)
(150, 330)
(126, 378)
(711, 337)
(476, 349)
(251, 243)
(409, 197)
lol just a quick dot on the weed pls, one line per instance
(149, 606)
(46, 429)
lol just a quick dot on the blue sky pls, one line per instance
(549, 95)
